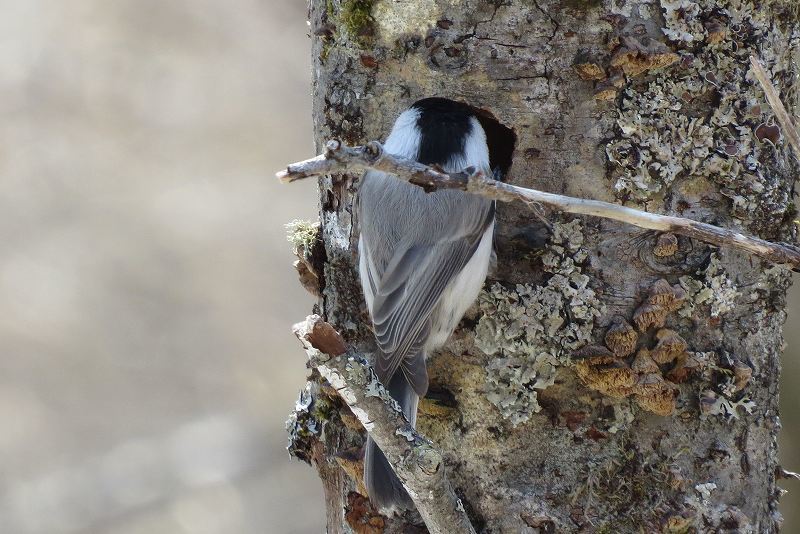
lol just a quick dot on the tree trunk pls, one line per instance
(608, 379)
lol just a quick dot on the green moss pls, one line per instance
(323, 409)
(356, 17)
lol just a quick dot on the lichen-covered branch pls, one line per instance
(339, 158)
(414, 458)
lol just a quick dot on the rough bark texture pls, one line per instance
(550, 416)
(422, 469)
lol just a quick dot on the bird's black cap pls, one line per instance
(444, 126)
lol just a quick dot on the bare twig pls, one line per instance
(339, 159)
(780, 472)
(777, 106)
(413, 457)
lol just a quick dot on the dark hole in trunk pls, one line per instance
(501, 140)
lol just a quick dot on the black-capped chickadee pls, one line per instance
(423, 260)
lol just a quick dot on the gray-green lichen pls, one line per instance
(722, 390)
(652, 156)
(666, 131)
(707, 512)
(622, 414)
(713, 403)
(621, 7)
(302, 235)
(302, 426)
(531, 330)
(682, 22)
(711, 287)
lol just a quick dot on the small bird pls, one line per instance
(423, 258)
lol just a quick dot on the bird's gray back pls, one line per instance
(397, 214)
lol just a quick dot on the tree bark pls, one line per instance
(608, 379)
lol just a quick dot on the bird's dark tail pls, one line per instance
(386, 492)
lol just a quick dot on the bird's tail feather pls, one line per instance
(386, 492)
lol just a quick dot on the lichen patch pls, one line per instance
(711, 287)
(532, 330)
(666, 131)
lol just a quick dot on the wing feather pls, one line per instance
(406, 293)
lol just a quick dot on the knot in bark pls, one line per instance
(428, 459)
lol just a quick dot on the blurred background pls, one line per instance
(146, 288)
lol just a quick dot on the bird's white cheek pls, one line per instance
(405, 136)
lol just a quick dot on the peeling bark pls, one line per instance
(651, 104)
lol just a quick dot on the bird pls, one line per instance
(423, 259)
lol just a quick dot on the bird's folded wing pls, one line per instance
(407, 292)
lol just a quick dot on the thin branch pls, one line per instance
(780, 472)
(339, 158)
(413, 457)
(777, 106)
